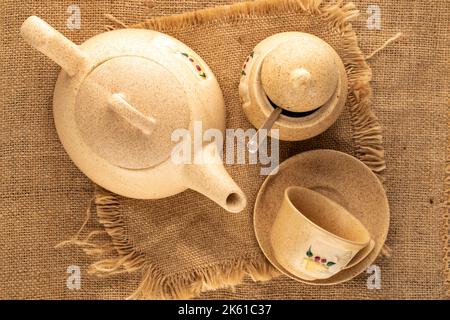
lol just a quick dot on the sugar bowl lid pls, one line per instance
(300, 74)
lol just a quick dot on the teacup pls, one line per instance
(314, 238)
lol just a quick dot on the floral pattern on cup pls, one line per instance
(197, 66)
(317, 263)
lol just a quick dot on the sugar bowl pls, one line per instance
(297, 82)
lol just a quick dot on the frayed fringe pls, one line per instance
(397, 36)
(187, 286)
(336, 14)
(114, 20)
(366, 134)
(154, 284)
(87, 244)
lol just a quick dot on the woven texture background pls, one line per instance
(44, 196)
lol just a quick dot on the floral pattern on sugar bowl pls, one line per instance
(247, 63)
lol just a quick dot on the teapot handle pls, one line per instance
(53, 44)
(361, 255)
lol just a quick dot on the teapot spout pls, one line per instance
(209, 177)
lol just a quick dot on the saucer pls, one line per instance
(338, 176)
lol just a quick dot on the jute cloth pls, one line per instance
(44, 196)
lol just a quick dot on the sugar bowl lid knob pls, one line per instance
(300, 74)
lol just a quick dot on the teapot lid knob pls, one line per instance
(300, 74)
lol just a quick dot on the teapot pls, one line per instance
(117, 100)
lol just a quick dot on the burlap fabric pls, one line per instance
(45, 196)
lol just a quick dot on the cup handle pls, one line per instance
(363, 253)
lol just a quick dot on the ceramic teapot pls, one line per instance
(117, 101)
(294, 82)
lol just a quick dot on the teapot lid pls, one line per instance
(300, 74)
(127, 108)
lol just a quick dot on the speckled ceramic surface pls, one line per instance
(313, 237)
(338, 176)
(300, 73)
(119, 99)
(117, 141)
